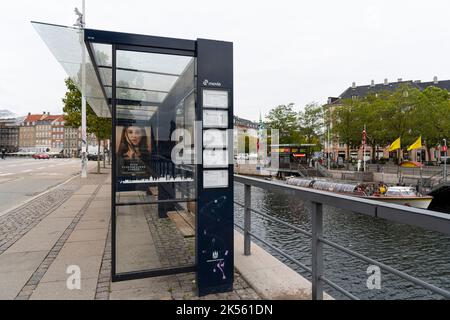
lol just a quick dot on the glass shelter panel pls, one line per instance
(155, 196)
(67, 45)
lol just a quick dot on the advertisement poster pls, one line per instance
(133, 149)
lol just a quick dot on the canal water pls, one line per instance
(420, 253)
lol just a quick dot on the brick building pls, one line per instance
(41, 133)
(57, 134)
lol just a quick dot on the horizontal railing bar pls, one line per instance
(426, 219)
(306, 233)
(301, 265)
(338, 288)
(389, 269)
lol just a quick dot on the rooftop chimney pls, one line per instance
(435, 80)
(29, 113)
(372, 83)
(353, 85)
(386, 82)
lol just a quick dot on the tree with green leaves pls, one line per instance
(405, 112)
(311, 124)
(285, 119)
(347, 125)
(100, 127)
(431, 117)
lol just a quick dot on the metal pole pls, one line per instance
(317, 251)
(328, 145)
(445, 160)
(364, 150)
(83, 99)
(247, 219)
(420, 181)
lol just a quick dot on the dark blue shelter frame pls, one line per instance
(214, 216)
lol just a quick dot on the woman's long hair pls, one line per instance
(126, 145)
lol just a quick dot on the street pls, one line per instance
(22, 179)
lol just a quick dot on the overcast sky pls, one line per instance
(284, 51)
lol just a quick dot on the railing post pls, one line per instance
(247, 219)
(317, 251)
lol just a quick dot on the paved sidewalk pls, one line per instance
(70, 226)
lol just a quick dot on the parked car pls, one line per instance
(41, 156)
(94, 157)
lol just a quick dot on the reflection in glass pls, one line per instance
(146, 81)
(139, 95)
(155, 195)
(153, 62)
(102, 54)
(105, 76)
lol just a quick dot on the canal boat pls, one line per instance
(407, 196)
(402, 195)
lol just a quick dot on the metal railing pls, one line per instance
(323, 170)
(394, 169)
(429, 220)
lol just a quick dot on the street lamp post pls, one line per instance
(328, 149)
(81, 22)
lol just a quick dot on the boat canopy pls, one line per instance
(323, 185)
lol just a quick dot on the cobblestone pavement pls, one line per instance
(184, 289)
(104, 278)
(27, 290)
(173, 249)
(19, 221)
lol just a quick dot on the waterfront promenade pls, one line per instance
(70, 226)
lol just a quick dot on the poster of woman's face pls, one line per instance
(133, 150)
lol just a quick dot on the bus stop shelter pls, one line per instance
(171, 105)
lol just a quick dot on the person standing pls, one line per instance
(3, 153)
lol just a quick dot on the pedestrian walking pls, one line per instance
(3, 153)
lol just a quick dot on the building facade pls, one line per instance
(58, 134)
(245, 128)
(41, 133)
(27, 133)
(44, 135)
(9, 135)
(72, 142)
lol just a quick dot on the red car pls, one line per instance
(41, 156)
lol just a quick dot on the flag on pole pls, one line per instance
(395, 145)
(416, 145)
